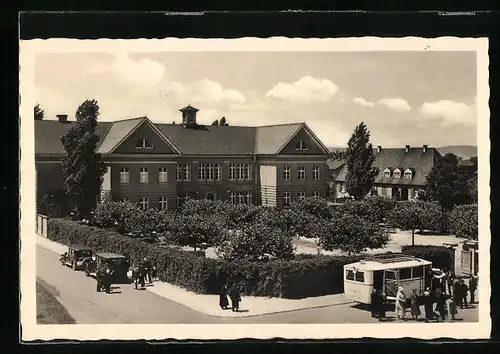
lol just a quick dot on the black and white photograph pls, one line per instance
(294, 188)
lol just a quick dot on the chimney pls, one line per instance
(63, 118)
(189, 116)
(425, 148)
(407, 148)
(379, 148)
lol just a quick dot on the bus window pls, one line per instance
(405, 273)
(418, 272)
(349, 275)
(390, 275)
(360, 276)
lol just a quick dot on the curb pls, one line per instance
(228, 316)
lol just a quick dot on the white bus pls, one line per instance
(386, 273)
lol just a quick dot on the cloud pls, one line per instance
(450, 111)
(395, 104)
(205, 92)
(143, 71)
(362, 102)
(305, 90)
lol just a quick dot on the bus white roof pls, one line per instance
(373, 265)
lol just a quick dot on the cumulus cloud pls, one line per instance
(450, 111)
(305, 90)
(143, 71)
(207, 92)
(362, 102)
(398, 105)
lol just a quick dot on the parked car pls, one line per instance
(118, 263)
(76, 257)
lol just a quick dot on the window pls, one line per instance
(143, 143)
(163, 203)
(387, 173)
(179, 172)
(163, 175)
(144, 203)
(248, 172)
(301, 195)
(187, 173)
(408, 174)
(241, 198)
(124, 176)
(179, 202)
(316, 172)
(248, 197)
(286, 173)
(232, 197)
(240, 172)
(232, 172)
(397, 173)
(144, 175)
(384, 191)
(210, 172)
(349, 274)
(360, 276)
(405, 273)
(123, 200)
(201, 172)
(342, 188)
(316, 194)
(286, 198)
(218, 172)
(302, 172)
(390, 275)
(417, 272)
(301, 145)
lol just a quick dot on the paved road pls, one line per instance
(125, 305)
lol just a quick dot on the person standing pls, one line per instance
(375, 303)
(472, 288)
(456, 292)
(428, 304)
(223, 302)
(234, 294)
(463, 293)
(401, 304)
(453, 308)
(415, 304)
(147, 269)
(441, 304)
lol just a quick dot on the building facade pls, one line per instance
(160, 165)
(402, 172)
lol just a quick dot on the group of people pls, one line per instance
(446, 291)
(143, 272)
(104, 277)
(234, 292)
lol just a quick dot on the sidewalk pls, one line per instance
(209, 304)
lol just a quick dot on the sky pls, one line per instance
(404, 98)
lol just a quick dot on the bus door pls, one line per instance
(391, 278)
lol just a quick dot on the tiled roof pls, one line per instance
(48, 135)
(117, 132)
(269, 139)
(203, 140)
(419, 162)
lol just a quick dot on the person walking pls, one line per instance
(415, 304)
(401, 304)
(472, 288)
(234, 294)
(223, 301)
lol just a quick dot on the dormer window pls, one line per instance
(301, 145)
(397, 173)
(143, 143)
(387, 173)
(408, 174)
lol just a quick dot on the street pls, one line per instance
(125, 305)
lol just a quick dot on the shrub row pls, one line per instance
(304, 276)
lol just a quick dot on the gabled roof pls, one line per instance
(270, 139)
(200, 140)
(419, 162)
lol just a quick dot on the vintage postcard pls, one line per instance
(254, 188)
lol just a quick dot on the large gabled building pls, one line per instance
(159, 165)
(402, 172)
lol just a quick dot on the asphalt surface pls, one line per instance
(125, 305)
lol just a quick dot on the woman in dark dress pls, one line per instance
(223, 301)
(428, 305)
(375, 303)
(415, 304)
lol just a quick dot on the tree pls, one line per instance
(195, 229)
(447, 183)
(82, 166)
(416, 215)
(338, 155)
(360, 157)
(38, 112)
(464, 221)
(215, 123)
(353, 234)
(223, 122)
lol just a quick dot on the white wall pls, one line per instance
(268, 178)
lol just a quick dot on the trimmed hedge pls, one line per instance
(440, 256)
(304, 276)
